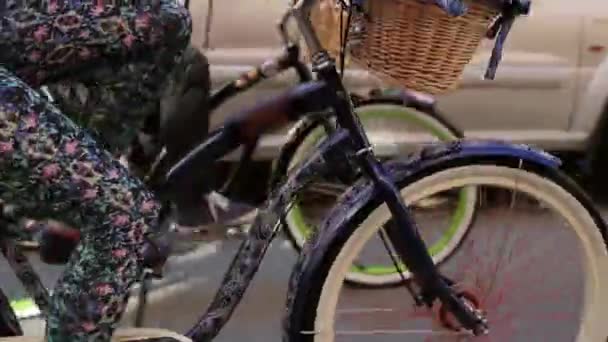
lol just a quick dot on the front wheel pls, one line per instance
(404, 122)
(538, 274)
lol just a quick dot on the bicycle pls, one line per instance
(405, 108)
(414, 109)
(326, 260)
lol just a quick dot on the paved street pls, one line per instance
(190, 285)
(193, 277)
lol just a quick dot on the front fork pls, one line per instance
(409, 245)
(404, 235)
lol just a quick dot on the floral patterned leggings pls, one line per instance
(51, 168)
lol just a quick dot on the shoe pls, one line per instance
(213, 219)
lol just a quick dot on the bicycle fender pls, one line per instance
(406, 170)
(479, 151)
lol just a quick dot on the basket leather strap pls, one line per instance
(500, 29)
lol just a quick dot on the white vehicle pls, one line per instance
(550, 90)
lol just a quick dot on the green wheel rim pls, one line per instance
(25, 308)
(297, 217)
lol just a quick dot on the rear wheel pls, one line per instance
(544, 278)
(301, 220)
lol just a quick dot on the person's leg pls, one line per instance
(184, 123)
(141, 105)
(106, 61)
(51, 168)
(112, 102)
(46, 41)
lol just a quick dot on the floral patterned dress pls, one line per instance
(50, 167)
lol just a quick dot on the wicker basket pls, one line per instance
(408, 43)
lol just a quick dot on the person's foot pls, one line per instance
(212, 219)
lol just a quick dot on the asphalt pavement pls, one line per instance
(192, 278)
